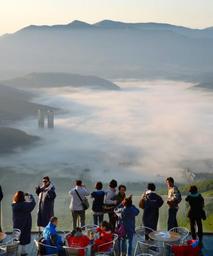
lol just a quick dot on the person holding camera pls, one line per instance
(47, 195)
(22, 206)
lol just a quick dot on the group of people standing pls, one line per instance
(119, 208)
(151, 202)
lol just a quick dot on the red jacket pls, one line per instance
(78, 241)
(100, 243)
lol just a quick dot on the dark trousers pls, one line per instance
(193, 223)
(78, 219)
(172, 218)
(98, 219)
(112, 220)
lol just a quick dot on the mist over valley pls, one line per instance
(131, 101)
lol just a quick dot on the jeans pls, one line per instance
(193, 223)
(121, 247)
(98, 219)
(76, 215)
(172, 221)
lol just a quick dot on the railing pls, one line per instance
(63, 212)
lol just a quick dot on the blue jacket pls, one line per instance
(52, 238)
(128, 218)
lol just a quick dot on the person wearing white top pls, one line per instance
(76, 206)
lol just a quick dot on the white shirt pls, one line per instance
(109, 196)
(75, 203)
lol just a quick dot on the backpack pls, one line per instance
(178, 196)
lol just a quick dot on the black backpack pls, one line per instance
(178, 196)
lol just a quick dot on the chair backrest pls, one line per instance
(91, 227)
(142, 233)
(12, 248)
(3, 250)
(183, 232)
(75, 251)
(144, 254)
(109, 246)
(16, 234)
(42, 248)
(148, 248)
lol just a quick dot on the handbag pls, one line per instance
(84, 202)
(120, 230)
(142, 203)
(108, 208)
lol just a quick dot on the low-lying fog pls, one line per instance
(148, 130)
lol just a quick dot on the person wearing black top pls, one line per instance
(196, 212)
(152, 203)
(22, 206)
(97, 205)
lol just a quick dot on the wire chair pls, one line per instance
(144, 254)
(3, 250)
(91, 227)
(107, 248)
(14, 237)
(142, 233)
(183, 232)
(41, 246)
(10, 248)
(148, 247)
(16, 234)
(75, 251)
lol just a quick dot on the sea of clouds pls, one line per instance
(146, 131)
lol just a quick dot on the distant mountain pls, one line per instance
(76, 24)
(44, 80)
(109, 49)
(110, 24)
(12, 140)
(15, 104)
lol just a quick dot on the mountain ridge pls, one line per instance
(109, 24)
(12, 139)
(147, 51)
(60, 79)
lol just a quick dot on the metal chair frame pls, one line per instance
(72, 250)
(111, 251)
(45, 246)
(141, 232)
(10, 248)
(148, 248)
(182, 231)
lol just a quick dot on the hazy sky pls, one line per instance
(15, 14)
